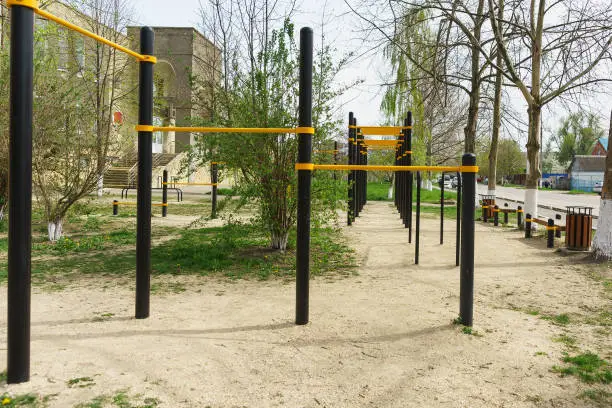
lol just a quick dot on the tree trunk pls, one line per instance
(496, 115)
(55, 229)
(100, 190)
(391, 186)
(279, 240)
(602, 243)
(533, 157)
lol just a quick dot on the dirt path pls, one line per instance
(383, 338)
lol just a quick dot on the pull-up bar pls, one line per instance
(297, 130)
(33, 4)
(381, 142)
(380, 130)
(311, 166)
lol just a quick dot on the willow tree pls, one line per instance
(418, 86)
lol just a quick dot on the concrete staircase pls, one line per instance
(125, 171)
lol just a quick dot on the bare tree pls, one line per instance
(102, 69)
(602, 243)
(552, 50)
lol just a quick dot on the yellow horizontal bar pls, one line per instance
(217, 162)
(380, 142)
(466, 169)
(135, 203)
(304, 166)
(190, 184)
(86, 33)
(381, 130)
(144, 128)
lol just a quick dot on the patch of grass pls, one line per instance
(457, 320)
(235, 250)
(121, 399)
(81, 382)
(24, 400)
(579, 192)
(560, 320)
(379, 192)
(226, 191)
(3, 376)
(540, 353)
(603, 318)
(470, 331)
(599, 396)
(565, 339)
(93, 223)
(589, 367)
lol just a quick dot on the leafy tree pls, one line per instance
(577, 135)
(264, 93)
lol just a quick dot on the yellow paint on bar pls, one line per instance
(390, 168)
(381, 130)
(306, 130)
(380, 142)
(33, 4)
(86, 33)
(304, 166)
(189, 184)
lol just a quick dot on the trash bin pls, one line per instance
(578, 228)
(487, 202)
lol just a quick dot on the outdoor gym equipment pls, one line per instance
(20, 168)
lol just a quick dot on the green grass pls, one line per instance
(234, 251)
(226, 191)
(3, 376)
(23, 400)
(120, 400)
(565, 339)
(589, 367)
(379, 191)
(560, 320)
(580, 192)
(600, 397)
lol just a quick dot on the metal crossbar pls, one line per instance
(33, 4)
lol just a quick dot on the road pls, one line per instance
(547, 199)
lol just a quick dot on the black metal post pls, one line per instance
(506, 221)
(302, 276)
(165, 194)
(550, 233)
(496, 216)
(442, 211)
(519, 217)
(115, 207)
(349, 203)
(528, 226)
(214, 179)
(409, 178)
(20, 194)
(405, 161)
(145, 168)
(418, 218)
(458, 232)
(466, 307)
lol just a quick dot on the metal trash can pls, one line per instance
(578, 228)
(487, 202)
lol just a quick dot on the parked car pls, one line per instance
(597, 187)
(447, 182)
(455, 182)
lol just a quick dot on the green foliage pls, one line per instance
(577, 136)
(265, 94)
(24, 400)
(589, 367)
(510, 159)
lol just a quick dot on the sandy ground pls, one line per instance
(382, 338)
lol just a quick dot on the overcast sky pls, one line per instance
(342, 26)
(363, 100)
